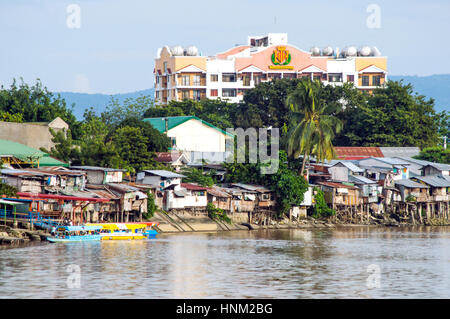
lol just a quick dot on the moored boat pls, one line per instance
(125, 231)
(76, 234)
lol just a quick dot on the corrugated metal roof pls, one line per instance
(256, 188)
(360, 179)
(433, 181)
(410, 184)
(218, 192)
(347, 164)
(440, 167)
(392, 161)
(350, 151)
(193, 187)
(400, 151)
(336, 185)
(414, 161)
(163, 173)
(98, 168)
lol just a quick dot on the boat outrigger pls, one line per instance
(75, 233)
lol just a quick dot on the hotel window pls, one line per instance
(246, 80)
(214, 77)
(229, 77)
(185, 80)
(157, 94)
(376, 80)
(185, 94)
(228, 92)
(335, 77)
(165, 67)
(197, 80)
(197, 95)
(214, 92)
(257, 79)
(350, 78)
(365, 80)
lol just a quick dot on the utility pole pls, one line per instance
(445, 141)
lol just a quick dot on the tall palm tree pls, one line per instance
(316, 124)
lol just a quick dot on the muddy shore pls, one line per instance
(176, 223)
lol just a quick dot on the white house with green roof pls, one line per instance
(192, 134)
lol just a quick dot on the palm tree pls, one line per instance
(316, 126)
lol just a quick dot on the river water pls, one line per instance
(326, 263)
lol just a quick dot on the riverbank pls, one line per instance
(185, 222)
(176, 222)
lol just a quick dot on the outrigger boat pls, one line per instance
(125, 231)
(76, 233)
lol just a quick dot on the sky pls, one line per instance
(109, 46)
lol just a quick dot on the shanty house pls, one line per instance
(264, 196)
(436, 169)
(439, 187)
(161, 178)
(369, 188)
(339, 194)
(219, 197)
(133, 202)
(412, 191)
(398, 167)
(101, 175)
(340, 170)
(175, 159)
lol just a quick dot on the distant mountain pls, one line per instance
(435, 86)
(98, 101)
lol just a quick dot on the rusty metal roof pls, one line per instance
(355, 152)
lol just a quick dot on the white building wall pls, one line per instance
(193, 135)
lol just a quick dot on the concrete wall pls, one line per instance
(30, 134)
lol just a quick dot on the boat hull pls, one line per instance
(114, 236)
(69, 239)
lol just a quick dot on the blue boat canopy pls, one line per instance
(80, 228)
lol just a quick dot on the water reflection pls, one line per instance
(298, 263)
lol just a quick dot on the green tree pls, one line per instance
(317, 124)
(64, 148)
(36, 104)
(157, 142)
(7, 190)
(194, 175)
(117, 112)
(391, 116)
(131, 145)
(435, 154)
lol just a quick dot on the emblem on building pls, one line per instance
(281, 58)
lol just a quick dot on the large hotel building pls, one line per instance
(182, 73)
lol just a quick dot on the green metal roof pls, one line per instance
(173, 121)
(26, 153)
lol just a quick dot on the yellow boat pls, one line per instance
(121, 231)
